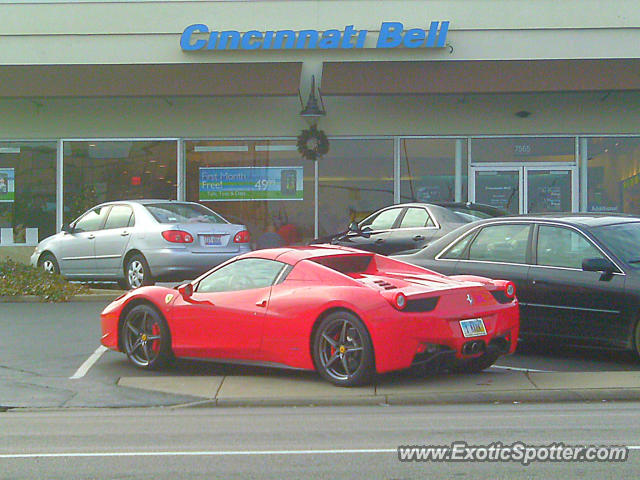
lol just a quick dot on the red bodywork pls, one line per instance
(274, 325)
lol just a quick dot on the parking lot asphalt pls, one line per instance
(45, 345)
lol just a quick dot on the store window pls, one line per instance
(28, 188)
(356, 179)
(101, 171)
(523, 150)
(428, 169)
(613, 180)
(263, 184)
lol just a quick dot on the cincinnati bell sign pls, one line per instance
(391, 35)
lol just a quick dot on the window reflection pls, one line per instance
(28, 188)
(263, 184)
(96, 172)
(428, 169)
(614, 174)
(356, 178)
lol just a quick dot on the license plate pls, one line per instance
(474, 327)
(211, 240)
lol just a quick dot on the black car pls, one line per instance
(408, 227)
(577, 276)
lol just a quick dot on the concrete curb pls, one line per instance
(109, 296)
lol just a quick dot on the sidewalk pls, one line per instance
(298, 388)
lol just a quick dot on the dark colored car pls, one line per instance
(577, 276)
(408, 227)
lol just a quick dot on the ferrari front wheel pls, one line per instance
(146, 338)
(342, 350)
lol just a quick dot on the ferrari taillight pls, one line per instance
(242, 237)
(177, 236)
(399, 300)
(510, 290)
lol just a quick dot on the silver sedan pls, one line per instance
(138, 242)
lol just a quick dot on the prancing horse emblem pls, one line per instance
(469, 299)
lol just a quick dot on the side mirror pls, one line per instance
(186, 290)
(354, 228)
(67, 228)
(598, 265)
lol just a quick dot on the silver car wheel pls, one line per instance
(48, 266)
(136, 274)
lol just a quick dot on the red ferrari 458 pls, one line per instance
(343, 312)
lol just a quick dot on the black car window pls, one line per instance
(563, 247)
(457, 249)
(416, 218)
(622, 239)
(119, 217)
(243, 274)
(92, 220)
(501, 243)
(383, 220)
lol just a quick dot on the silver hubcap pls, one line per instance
(48, 266)
(341, 349)
(135, 274)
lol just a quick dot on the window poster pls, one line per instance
(7, 185)
(239, 184)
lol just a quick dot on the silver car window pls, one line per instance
(119, 217)
(183, 213)
(92, 220)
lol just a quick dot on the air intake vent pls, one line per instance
(501, 297)
(384, 284)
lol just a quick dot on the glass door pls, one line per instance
(520, 189)
(549, 190)
(497, 186)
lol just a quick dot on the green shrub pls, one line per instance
(19, 279)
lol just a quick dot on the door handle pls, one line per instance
(417, 238)
(379, 241)
(91, 237)
(262, 303)
(124, 234)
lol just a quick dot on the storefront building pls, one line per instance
(531, 106)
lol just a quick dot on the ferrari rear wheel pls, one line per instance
(342, 350)
(477, 364)
(146, 338)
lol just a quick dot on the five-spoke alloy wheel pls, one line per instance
(342, 350)
(146, 338)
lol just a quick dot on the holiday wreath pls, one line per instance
(312, 143)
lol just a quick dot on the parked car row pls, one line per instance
(577, 275)
(408, 227)
(138, 242)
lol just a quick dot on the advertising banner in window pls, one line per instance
(7, 185)
(229, 184)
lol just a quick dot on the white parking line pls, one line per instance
(212, 453)
(201, 453)
(84, 368)
(521, 369)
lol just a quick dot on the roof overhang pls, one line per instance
(200, 79)
(463, 77)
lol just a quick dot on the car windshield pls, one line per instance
(183, 213)
(623, 240)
